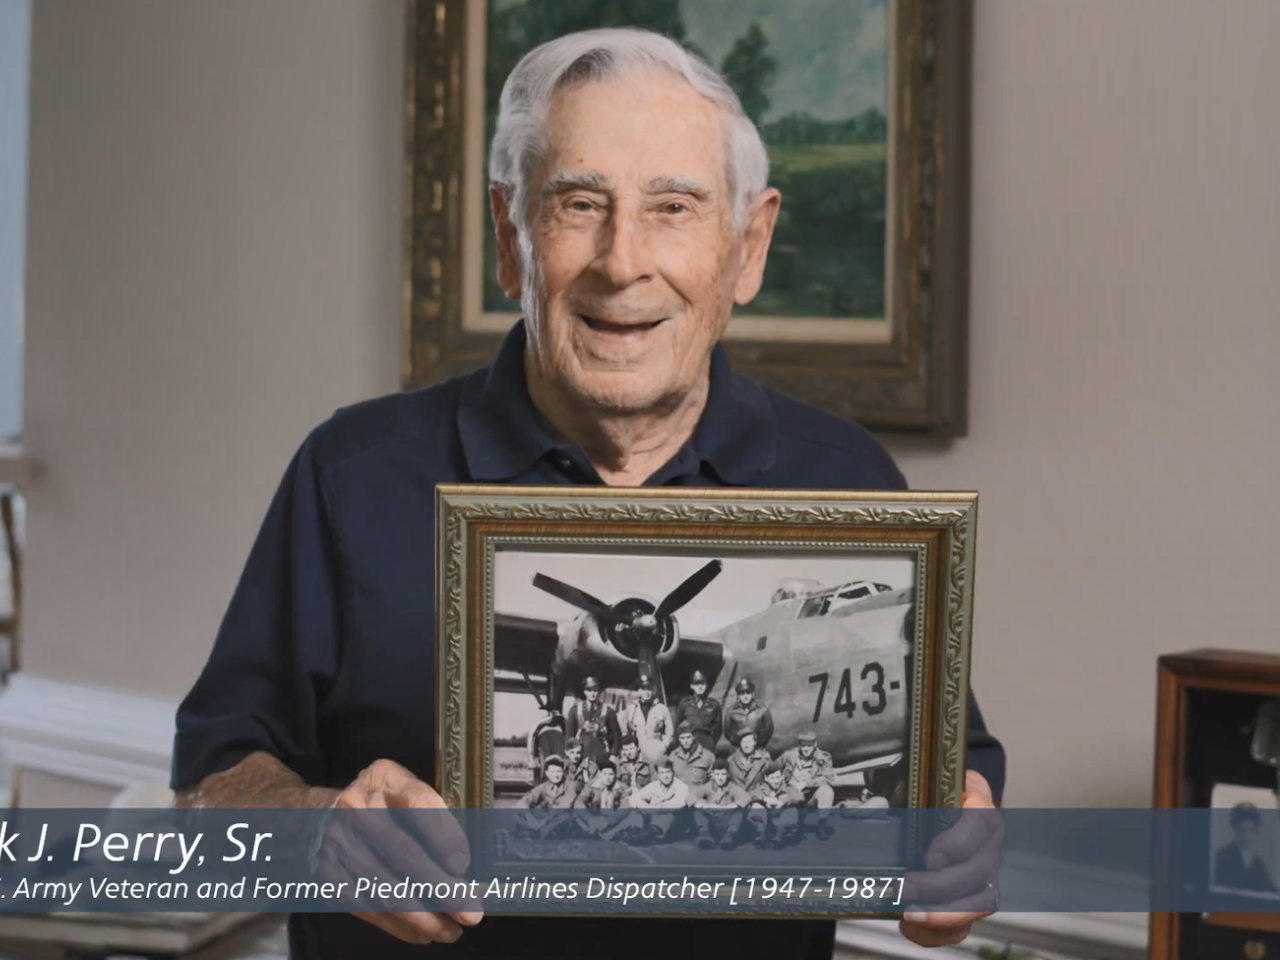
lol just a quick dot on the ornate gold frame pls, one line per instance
(472, 520)
(917, 381)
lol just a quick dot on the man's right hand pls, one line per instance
(388, 850)
(357, 847)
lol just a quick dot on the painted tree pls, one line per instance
(750, 70)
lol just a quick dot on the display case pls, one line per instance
(1218, 746)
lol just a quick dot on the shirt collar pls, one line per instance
(502, 436)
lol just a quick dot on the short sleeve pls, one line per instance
(275, 653)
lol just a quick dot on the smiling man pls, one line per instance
(632, 211)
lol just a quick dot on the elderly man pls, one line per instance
(632, 211)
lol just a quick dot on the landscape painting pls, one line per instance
(813, 75)
(863, 107)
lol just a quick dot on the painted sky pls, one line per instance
(832, 54)
(744, 587)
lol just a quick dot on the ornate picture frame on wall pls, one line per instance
(865, 299)
(1218, 746)
(739, 634)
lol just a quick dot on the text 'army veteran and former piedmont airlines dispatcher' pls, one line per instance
(630, 199)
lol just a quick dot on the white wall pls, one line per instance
(214, 266)
(1125, 365)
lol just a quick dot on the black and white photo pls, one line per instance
(1245, 843)
(726, 697)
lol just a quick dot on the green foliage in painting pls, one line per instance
(828, 253)
(750, 70)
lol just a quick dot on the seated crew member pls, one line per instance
(747, 713)
(701, 711)
(579, 769)
(807, 770)
(596, 799)
(773, 809)
(556, 792)
(632, 210)
(668, 796)
(719, 809)
(634, 771)
(691, 760)
(747, 763)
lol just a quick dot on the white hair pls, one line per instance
(520, 142)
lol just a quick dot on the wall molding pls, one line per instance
(100, 736)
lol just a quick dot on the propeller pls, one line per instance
(692, 586)
(575, 597)
(632, 630)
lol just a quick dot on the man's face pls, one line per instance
(591, 694)
(686, 741)
(632, 262)
(1247, 836)
(774, 779)
(574, 754)
(746, 696)
(666, 775)
(629, 751)
(555, 773)
(807, 750)
(748, 743)
(646, 694)
(607, 776)
(720, 777)
(699, 689)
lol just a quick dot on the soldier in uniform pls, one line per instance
(597, 799)
(747, 714)
(634, 771)
(774, 811)
(701, 711)
(719, 809)
(578, 768)
(594, 723)
(649, 722)
(747, 763)
(807, 770)
(666, 795)
(545, 739)
(555, 793)
(691, 760)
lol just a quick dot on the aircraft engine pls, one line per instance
(629, 637)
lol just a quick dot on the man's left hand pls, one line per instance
(962, 867)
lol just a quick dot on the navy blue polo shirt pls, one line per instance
(326, 656)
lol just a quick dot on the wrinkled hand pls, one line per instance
(962, 867)
(367, 847)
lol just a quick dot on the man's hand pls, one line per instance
(441, 856)
(962, 866)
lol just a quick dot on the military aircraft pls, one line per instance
(836, 660)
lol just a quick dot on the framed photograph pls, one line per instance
(801, 658)
(863, 106)
(1218, 747)
(1245, 848)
